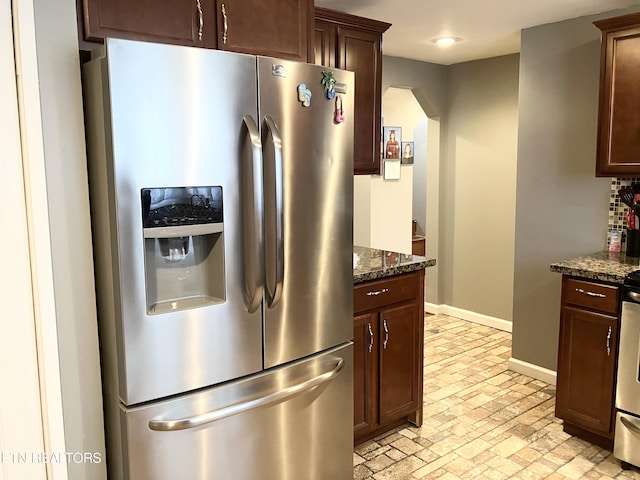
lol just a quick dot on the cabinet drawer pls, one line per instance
(385, 292)
(596, 296)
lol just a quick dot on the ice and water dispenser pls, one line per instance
(184, 247)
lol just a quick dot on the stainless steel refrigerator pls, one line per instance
(221, 198)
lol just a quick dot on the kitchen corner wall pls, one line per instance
(525, 195)
(476, 104)
(561, 207)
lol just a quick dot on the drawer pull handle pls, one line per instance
(609, 342)
(591, 294)
(370, 338)
(200, 20)
(377, 292)
(386, 334)
(225, 25)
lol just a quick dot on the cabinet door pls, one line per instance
(619, 121)
(586, 369)
(277, 28)
(400, 364)
(324, 42)
(365, 386)
(182, 22)
(360, 52)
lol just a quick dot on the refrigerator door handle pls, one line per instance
(274, 212)
(274, 398)
(252, 218)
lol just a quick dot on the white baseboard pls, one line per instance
(470, 316)
(525, 368)
(531, 370)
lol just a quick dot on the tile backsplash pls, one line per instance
(617, 209)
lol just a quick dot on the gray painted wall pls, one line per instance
(561, 208)
(478, 187)
(477, 103)
(428, 82)
(419, 205)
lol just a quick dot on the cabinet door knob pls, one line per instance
(370, 338)
(225, 26)
(609, 342)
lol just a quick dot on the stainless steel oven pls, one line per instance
(627, 436)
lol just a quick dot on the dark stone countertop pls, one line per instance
(604, 266)
(372, 264)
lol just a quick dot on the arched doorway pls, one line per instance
(385, 207)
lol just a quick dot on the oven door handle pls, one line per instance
(630, 425)
(268, 400)
(634, 296)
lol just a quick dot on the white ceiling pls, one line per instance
(488, 28)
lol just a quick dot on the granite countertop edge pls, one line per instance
(372, 264)
(603, 266)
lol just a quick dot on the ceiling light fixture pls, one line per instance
(445, 41)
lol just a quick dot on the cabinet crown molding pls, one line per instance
(349, 20)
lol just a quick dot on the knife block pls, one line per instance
(633, 243)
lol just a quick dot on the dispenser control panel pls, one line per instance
(179, 206)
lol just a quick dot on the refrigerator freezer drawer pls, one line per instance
(288, 423)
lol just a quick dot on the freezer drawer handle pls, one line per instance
(253, 242)
(262, 402)
(630, 425)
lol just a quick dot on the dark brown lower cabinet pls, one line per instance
(388, 345)
(400, 361)
(365, 382)
(585, 395)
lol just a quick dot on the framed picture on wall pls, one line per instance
(391, 169)
(392, 140)
(407, 152)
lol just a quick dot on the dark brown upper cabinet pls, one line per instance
(278, 28)
(182, 22)
(618, 151)
(355, 43)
